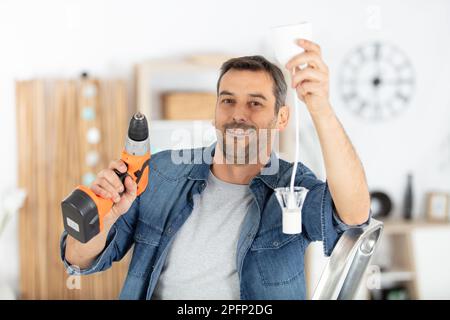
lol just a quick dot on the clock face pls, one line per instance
(376, 81)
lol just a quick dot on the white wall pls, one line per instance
(62, 38)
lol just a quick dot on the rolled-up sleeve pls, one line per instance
(118, 242)
(341, 226)
(320, 219)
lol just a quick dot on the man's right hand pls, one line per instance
(108, 186)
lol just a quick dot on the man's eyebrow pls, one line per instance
(257, 95)
(254, 95)
(226, 93)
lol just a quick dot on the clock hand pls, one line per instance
(377, 57)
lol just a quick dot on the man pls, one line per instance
(212, 229)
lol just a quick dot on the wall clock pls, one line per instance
(376, 81)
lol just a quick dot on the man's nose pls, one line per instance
(240, 113)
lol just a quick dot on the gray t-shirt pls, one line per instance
(201, 263)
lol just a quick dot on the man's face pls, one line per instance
(245, 115)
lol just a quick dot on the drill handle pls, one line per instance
(122, 177)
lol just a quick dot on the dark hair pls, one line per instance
(259, 63)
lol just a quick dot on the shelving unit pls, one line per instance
(397, 261)
(191, 73)
(201, 72)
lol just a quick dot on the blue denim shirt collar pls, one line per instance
(201, 171)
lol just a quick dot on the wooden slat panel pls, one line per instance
(52, 150)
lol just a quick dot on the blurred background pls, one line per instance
(72, 73)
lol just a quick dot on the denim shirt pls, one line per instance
(270, 264)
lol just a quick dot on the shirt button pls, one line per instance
(169, 231)
(275, 243)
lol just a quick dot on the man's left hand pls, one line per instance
(311, 83)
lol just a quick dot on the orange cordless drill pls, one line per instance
(83, 211)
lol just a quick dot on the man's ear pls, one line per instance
(283, 118)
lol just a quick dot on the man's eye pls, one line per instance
(227, 101)
(255, 103)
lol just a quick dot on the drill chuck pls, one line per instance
(138, 129)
